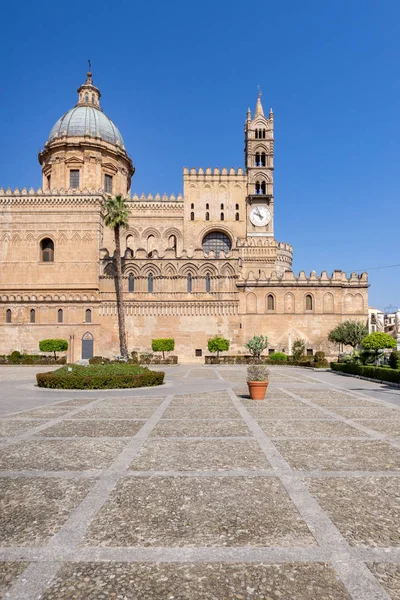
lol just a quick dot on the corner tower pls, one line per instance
(85, 150)
(259, 160)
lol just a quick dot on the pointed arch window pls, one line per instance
(47, 250)
(150, 283)
(309, 302)
(257, 161)
(257, 188)
(237, 216)
(207, 216)
(256, 133)
(8, 315)
(189, 283)
(263, 159)
(32, 316)
(88, 315)
(131, 283)
(263, 188)
(263, 133)
(208, 283)
(192, 216)
(270, 302)
(222, 216)
(60, 315)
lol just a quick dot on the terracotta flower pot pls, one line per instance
(257, 389)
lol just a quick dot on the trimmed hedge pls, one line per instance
(97, 377)
(16, 358)
(379, 373)
(250, 360)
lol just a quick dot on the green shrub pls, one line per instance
(218, 344)
(368, 371)
(257, 373)
(277, 357)
(319, 356)
(256, 345)
(104, 376)
(163, 345)
(394, 359)
(299, 347)
(99, 360)
(53, 345)
(14, 357)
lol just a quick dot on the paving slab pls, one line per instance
(43, 413)
(200, 455)
(186, 428)
(32, 510)
(211, 411)
(89, 428)
(9, 571)
(365, 509)
(164, 581)
(387, 427)
(339, 455)
(373, 412)
(114, 411)
(388, 576)
(10, 428)
(60, 455)
(182, 511)
(309, 429)
(264, 410)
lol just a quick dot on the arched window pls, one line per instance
(257, 161)
(8, 315)
(172, 242)
(192, 216)
(216, 241)
(47, 250)
(256, 133)
(207, 206)
(237, 206)
(88, 315)
(263, 188)
(131, 283)
(257, 188)
(60, 315)
(207, 216)
(150, 283)
(192, 206)
(222, 207)
(222, 216)
(130, 241)
(32, 316)
(263, 159)
(309, 302)
(237, 216)
(86, 97)
(150, 243)
(263, 133)
(189, 283)
(92, 98)
(259, 133)
(270, 302)
(208, 283)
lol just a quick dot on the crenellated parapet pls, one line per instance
(288, 278)
(156, 198)
(208, 172)
(53, 197)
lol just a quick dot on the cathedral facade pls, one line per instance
(195, 265)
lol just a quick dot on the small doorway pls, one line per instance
(87, 345)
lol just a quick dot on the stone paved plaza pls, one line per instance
(191, 491)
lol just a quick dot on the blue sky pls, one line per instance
(177, 79)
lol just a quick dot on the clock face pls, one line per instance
(260, 216)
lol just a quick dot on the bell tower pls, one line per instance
(259, 160)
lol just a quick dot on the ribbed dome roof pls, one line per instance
(86, 120)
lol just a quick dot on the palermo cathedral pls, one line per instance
(195, 265)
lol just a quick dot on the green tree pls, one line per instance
(53, 345)
(256, 345)
(163, 345)
(116, 216)
(218, 344)
(299, 348)
(377, 342)
(349, 333)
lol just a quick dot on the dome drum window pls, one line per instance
(216, 241)
(108, 183)
(74, 179)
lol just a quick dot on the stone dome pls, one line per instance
(85, 120)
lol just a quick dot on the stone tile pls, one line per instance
(116, 412)
(323, 393)
(202, 374)
(75, 402)
(311, 429)
(200, 411)
(32, 510)
(44, 412)
(86, 428)
(213, 581)
(274, 399)
(389, 427)
(9, 571)
(345, 401)
(10, 428)
(131, 402)
(388, 576)
(60, 455)
(200, 428)
(204, 511)
(264, 410)
(366, 510)
(201, 403)
(196, 397)
(370, 412)
(199, 455)
(339, 455)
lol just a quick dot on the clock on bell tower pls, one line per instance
(259, 160)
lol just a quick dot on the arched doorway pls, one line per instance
(87, 345)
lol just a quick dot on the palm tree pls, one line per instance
(117, 216)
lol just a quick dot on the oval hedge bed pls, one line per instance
(96, 377)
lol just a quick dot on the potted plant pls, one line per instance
(257, 380)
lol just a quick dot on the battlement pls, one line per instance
(216, 172)
(337, 278)
(40, 192)
(156, 198)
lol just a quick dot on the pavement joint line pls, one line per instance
(36, 576)
(374, 434)
(354, 574)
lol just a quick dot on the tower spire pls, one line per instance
(259, 108)
(88, 93)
